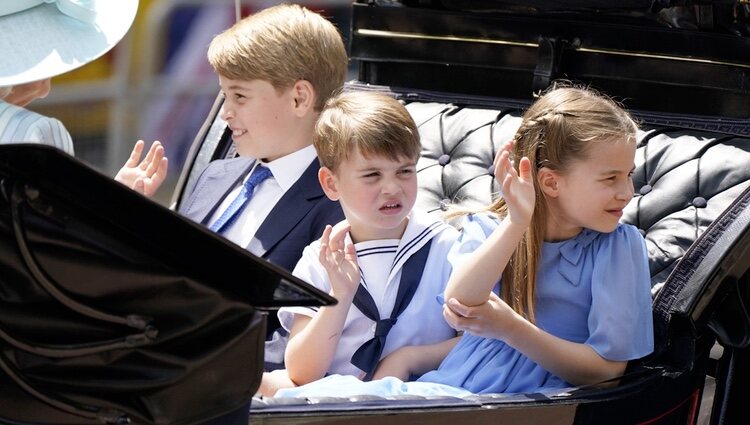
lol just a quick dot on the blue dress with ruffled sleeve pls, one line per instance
(592, 289)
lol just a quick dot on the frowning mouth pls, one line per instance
(391, 208)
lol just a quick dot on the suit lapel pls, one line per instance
(291, 208)
(216, 187)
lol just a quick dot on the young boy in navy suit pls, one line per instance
(385, 264)
(276, 69)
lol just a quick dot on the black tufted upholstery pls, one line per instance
(458, 147)
(683, 179)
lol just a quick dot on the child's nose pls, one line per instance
(391, 186)
(226, 113)
(625, 191)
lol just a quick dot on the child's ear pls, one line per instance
(304, 97)
(329, 183)
(548, 181)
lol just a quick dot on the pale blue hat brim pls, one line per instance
(42, 42)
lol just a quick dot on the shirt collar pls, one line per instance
(289, 168)
(420, 230)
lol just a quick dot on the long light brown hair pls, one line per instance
(556, 130)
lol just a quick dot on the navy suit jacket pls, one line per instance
(297, 219)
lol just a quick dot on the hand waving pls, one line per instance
(517, 187)
(144, 176)
(339, 260)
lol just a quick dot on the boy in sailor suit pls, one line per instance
(385, 263)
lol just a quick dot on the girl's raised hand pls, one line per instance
(339, 259)
(517, 187)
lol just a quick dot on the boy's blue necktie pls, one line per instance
(368, 355)
(234, 210)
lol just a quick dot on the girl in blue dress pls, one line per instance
(574, 303)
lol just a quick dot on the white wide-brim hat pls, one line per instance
(43, 38)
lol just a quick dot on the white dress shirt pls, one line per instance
(286, 171)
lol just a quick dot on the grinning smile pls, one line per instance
(238, 132)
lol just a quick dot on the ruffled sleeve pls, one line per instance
(311, 271)
(620, 320)
(475, 229)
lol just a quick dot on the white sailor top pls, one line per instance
(381, 263)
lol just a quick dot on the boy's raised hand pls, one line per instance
(145, 176)
(339, 259)
(517, 187)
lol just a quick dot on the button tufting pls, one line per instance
(491, 170)
(645, 189)
(700, 202)
(444, 159)
(444, 203)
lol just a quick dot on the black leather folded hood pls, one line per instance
(93, 231)
(115, 309)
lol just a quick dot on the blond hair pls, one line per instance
(282, 45)
(373, 123)
(556, 130)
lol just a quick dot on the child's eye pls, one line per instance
(406, 171)
(371, 175)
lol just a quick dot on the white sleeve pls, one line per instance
(310, 270)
